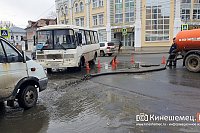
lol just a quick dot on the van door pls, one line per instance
(12, 68)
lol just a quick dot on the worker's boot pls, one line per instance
(170, 64)
(174, 64)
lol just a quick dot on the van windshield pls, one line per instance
(56, 39)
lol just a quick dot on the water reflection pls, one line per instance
(16, 120)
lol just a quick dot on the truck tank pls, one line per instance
(188, 40)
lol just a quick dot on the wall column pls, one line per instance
(70, 12)
(88, 13)
(177, 19)
(138, 26)
(108, 26)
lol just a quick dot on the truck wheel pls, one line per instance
(27, 97)
(192, 63)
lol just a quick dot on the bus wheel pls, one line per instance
(192, 63)
(81, 64)
(49, 70)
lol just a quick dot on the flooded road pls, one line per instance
(108, 104)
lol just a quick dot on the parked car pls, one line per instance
(20, 77)
(107, 48)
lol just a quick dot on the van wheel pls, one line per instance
(49, 70)
(192, 63)
(27, 97)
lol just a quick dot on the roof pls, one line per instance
(61, 26)
(34, 24)
(17, 29)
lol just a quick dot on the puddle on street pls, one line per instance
(86, 107)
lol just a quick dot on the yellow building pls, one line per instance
(136, 23)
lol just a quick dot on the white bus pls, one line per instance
(66, 46)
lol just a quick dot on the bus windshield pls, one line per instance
(56, 39)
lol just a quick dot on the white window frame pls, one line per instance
(81, 6)
(100, 3)
(95, 20)
(82, 21)
(94, 3)
(76, 9)
(101, 20)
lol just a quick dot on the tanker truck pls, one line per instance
(188, 49)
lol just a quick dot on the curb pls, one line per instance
(139, 53)
(128, 72)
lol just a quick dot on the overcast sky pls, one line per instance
(20, 11)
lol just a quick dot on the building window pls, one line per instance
(196, 9)
(67, 21)
(186, 10)
(95, 20)
(61, 11)
(82, 22)
(196, 1)
(129, 10)
(186, 1)
(118, 11)
(81, 7)
(94, 5)
(76, 7)
(101, 37)
(77, 21)
(100, 3)
(62, 21)
(66, 10)
(100, 19)
(157, 20)
(185, 14)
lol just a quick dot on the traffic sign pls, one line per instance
(124, 31)
(4, 33)
(184, 27)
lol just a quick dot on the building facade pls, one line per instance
(17, 36)
(32, 27)
(148, 23)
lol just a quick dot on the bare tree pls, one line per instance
(52, 15)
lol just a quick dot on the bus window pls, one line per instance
(96, 37)
(44, 38)
(92, 37)
(83, 37)
(64, 39)
(88, 39)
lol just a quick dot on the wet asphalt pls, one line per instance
(108, 104)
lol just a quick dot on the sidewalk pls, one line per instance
(144, 50)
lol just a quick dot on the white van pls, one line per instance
(20, 77)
